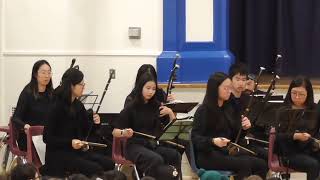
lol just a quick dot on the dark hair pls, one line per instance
(34, 83)
(146, 68)
(212, 92)
(238, 68)
(301, 81)
(78, 177)
(210, 101)
(72, 76)
(114, 175)
(23, 172)
(138, 98)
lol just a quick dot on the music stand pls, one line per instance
(181, 107)
(297, 119)
(89, 100)
(178, 130)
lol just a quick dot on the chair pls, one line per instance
(192, 161)
(32, 156)
(273, 159)
(118, 151)
(12, 143)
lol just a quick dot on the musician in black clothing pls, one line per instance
(160, 94)
(295, 130)
(34, 101)
(67, 128)
(240, 101)
(145, 114)
(216, 123)
(238, 75)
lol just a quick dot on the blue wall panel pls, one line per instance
(198, 59)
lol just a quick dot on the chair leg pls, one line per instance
(136, 172)
(24, 160)
(117, 167)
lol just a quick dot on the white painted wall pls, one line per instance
(199, 20)
(95, 32)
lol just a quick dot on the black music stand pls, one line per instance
(89, 100)
(178, 130)
(291, 119)
(181, 107)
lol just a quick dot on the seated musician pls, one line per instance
(160, 94)
(34, 101)
(216, 123)
(67, 128)
(145, 114)
(238, 75)
(295, 132)
(240, 101)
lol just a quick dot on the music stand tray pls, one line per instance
(182, 107)
(178, 130)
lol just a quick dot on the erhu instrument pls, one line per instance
(73, 61)
(173, 76)
(90, 111)
(272, 83)
(232, 148)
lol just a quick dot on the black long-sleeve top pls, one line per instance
(143, 118)
(64, 126)
(30, 109)
(291, 121)
(225, 122)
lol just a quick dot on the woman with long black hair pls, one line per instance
(299, 121)
(216, 123)
(68, 127)
(160, 94)
(145, 114)
(34, 101)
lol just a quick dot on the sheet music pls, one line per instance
(40, 147)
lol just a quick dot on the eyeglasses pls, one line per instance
(82, 84)
(298, 94)
(45, 73)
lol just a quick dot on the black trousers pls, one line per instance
(87, 163)
(305, 163)
(261, 151)
(151, 160)
(242, 165)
